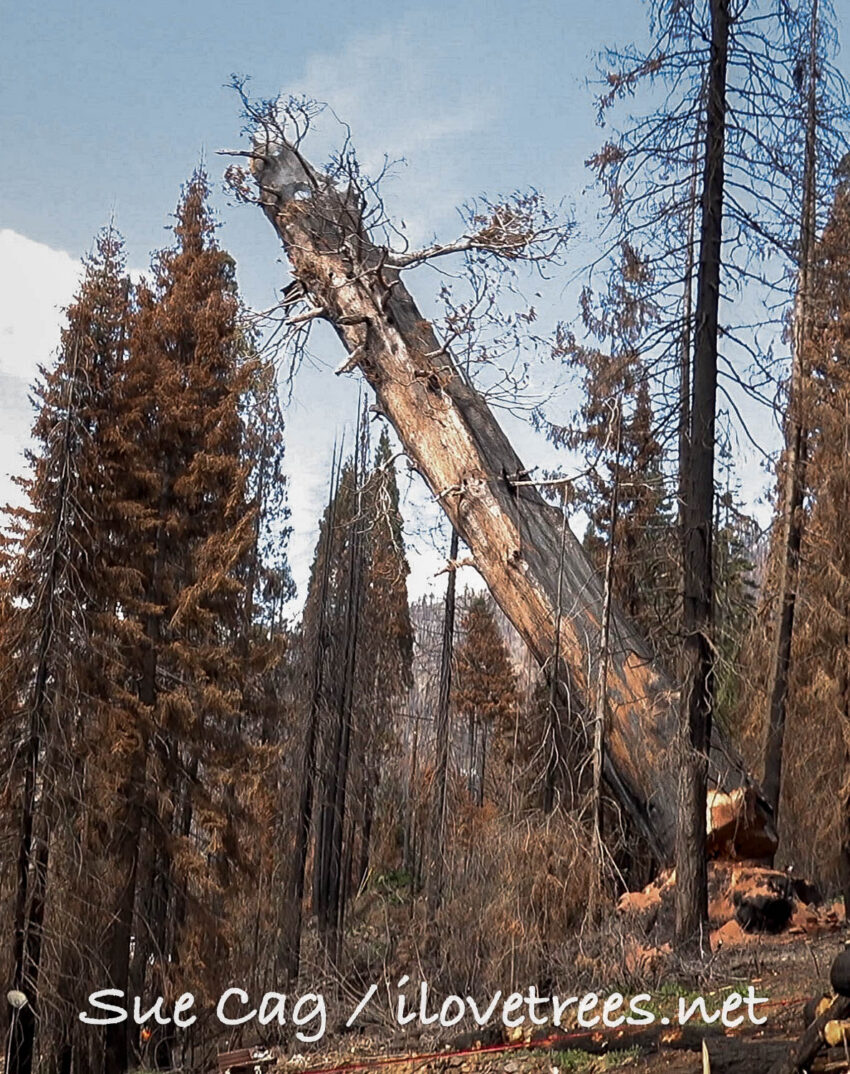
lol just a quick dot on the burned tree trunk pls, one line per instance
(441, 745)
(294, 894)
(456, 444)
(697, 651)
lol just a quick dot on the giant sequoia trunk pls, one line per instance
(514, 536)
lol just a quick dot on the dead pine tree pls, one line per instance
(57, 596)
(33, 846)
(384, 676)
(349, 555)
(598, 753)
(442, 738)
(315, 639)
(796, 434)
(652, 191)
(697, 652)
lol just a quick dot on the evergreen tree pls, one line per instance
(188, 477)
(614, 380)
(141, 642)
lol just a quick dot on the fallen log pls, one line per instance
(725, 1048)
(737, 1055)
(813, 1041)
(454, 441)
(726, 1052)
(647, 1040)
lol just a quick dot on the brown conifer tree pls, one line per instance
(59, 661)
(187, 474)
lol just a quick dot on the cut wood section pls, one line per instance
(454, 441)
(738, 826)
(245, 1060)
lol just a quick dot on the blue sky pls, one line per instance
(106, 108)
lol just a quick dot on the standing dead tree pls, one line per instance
(697, 709)
(326, 221)
(442, 732)
(796, 434)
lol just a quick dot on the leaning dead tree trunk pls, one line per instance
(458, 447)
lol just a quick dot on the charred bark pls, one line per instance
(812, 1042)
(295, 891)
(697, 651)
(441, 745)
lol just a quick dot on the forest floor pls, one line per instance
(786, 970)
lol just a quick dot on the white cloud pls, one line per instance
(36, 282)
(383, 85)
(391, 90)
